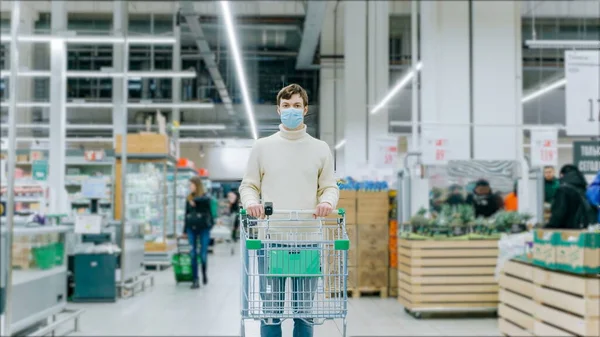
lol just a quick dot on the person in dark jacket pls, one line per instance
(199, 219)
(483, 199)
(233, 197)
(570, 208)
(455, 195)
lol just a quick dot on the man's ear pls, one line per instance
(305, 110)
(278, 112)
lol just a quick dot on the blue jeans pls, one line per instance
(272, 292)
(193, 237)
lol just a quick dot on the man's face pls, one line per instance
(295, 102)
(549, 173)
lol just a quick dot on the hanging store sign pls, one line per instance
(586, 156)
(544, 147)
(435, 146)
(387, 153)
(582, 92)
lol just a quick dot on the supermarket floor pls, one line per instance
(169, 309)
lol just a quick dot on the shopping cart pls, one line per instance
(309, 254)
(222, 232)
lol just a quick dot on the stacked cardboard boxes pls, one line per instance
(372, 218)
(576, 252)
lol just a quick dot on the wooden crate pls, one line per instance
(539, 302)
(517, 307)
(567, 304)
(447, 274)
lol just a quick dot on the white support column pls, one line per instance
(378, 83)
(355, 86)
(176, 84)
(120, 26)
(27, 61)
(497, 82)
(445, 80)
(328, 80)
(58, 113)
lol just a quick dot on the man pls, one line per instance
(570, 209)
(455, 195)
(551, 184)
(483, 200)
(292, 170)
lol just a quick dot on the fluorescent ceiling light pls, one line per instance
(201, 127)
(396, 89)
(27, 126)
(33, 73)
(562, 44)
(162, 74)
(89, 105)
(94, 39)
(33, 104)
(107, 74)
(172, 105)
(544, 90)
(340, 144)
(237, 58)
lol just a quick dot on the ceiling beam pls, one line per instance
(313, 23)
(192, 19)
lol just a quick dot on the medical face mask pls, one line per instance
(291, 118)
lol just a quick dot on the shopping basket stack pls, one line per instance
(293, 246)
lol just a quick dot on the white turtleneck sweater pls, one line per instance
(292, 170)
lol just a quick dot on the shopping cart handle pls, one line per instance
(339, 211)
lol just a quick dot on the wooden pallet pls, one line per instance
(368, 291)
(447, 276)
(539, 302)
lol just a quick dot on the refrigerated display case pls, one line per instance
(150, 202)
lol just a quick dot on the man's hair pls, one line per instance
(291, 90)
(548, 167)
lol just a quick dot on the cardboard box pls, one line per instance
(544, 253)
(372, 234)
(372, 255)
(373, 277)
(393, 278)
(380, 217)
(577, 252)
(353, 251)
(155, 246)
(145, 143)
(348, 194)
(373, 202)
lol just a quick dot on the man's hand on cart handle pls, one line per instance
(256, 211)
(323, 209)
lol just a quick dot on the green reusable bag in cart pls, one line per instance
(60, 253)
(45, 256)
(295, 262)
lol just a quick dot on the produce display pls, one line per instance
(349, 184)
(459, 222)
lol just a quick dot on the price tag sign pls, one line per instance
(39, 170)
(544, 147)
(387, 153)
(583, 92)
(88, 224)
(435, 146)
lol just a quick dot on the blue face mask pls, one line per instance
(291, 118)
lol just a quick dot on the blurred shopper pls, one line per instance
(199, 219)
(483, 199)
(292, 170)
(551, 184)
(570, 208)
(593, 195)
(233, 197)
(455, 195)
(511, 202)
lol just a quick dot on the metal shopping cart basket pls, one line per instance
(303, 258)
